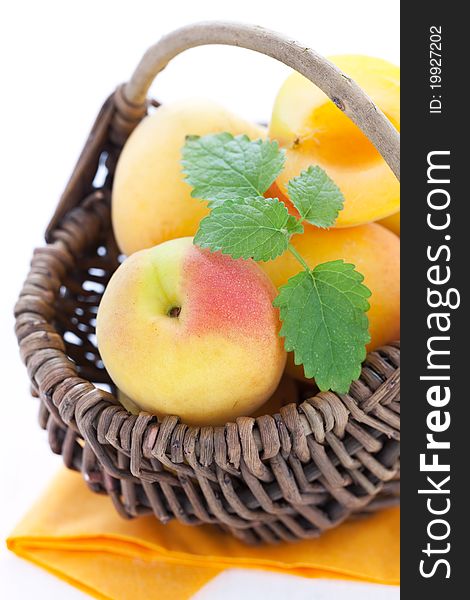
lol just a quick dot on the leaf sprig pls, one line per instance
(323, 310)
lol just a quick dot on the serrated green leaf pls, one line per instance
(317, 198)
(258, 228)
(222, 167)
(324, 323)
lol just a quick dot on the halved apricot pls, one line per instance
(315, 132)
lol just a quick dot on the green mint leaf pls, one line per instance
(222, 167)
(317, 198)
(258, 228)
(324, 323)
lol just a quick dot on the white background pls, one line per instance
(59, 62)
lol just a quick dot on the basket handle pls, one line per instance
(341, 89)
(128, 105)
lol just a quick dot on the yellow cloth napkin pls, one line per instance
(77, 535)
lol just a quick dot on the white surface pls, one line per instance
(60, 60)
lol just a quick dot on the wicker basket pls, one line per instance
(276, 477)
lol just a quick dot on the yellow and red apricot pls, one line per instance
(188, 332)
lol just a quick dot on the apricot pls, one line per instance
(373, 249)
(151, 202)
(192, 333)
(392, 222)
(314, 131)
(285, 393)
